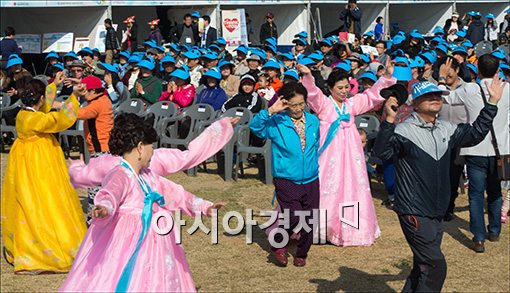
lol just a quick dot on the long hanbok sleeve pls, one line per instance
(54, 122)
(167, 161)
(370, 99)
(114, 189)
(177, 198)
(49, 98)
(91, 174)
(317, 100)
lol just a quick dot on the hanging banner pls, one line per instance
(58, 42)
(29, 43)
(233, 24)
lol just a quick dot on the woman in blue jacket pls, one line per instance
(294, 134)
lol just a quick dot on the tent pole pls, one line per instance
(387, 22)
(218, 18)
(309, 16)
(109, 10)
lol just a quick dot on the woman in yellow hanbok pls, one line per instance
(42, 220)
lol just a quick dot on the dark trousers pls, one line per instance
(456, 168)
(297, 197)
(424, 236)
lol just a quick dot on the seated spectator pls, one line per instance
(147, 87)
(117, 91)
(213, 94)
(180, 91)
(229, 82)
(246, 98)
(265, 90)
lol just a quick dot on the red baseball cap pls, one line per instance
(92, 82)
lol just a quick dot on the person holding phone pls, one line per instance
(351, 18)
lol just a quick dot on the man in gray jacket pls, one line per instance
(421, 146)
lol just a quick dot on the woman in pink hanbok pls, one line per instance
(121, 252)
(344, 184)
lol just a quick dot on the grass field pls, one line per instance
(232, 265)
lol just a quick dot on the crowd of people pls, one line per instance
(441, 100)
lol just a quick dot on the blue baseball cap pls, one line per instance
(503, 65)
(210, 56)
(369, 34)
(300, 40)
(271, 41)
(146, 64)
(173, 47)
(489, 16)
(125, 54)
(418, 62)
(368, 75)
(442, 48)
(271, 48)
(473, 68)
(365, 58)
(215, 47)
(402, 73)
(214, 73)
(195, 14)
(507, 11)
(438, 40)
(134, 59)
(326, 43)
(86, 50)
(71, 55)
(438, 31)
(416, 35)
(401, 59)
(51, 54)
(271, 64)
(462, 33)
(180, 73)
(467, 44)
(459, 50)
(301, 34)
(221, 41)
(292, 73)
(59, 65)
(398, 39)
(192, 54)
(288, 55)
(345, 66)
(96, 51)
(243, 49)
(168, 59)
(14, 59)
(259, 52)
(429, 57)
(499, 54)
(317, 56)
(224, 62)
(108, 67)
(306, 61)
(471, 13)
(426, 87)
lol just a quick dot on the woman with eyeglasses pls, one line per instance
(42, 219)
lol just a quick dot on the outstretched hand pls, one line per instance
(391, 108)
(303, 69)
(99, 212)
(215, 206)
(59, 78)
(444, 69)
(234, 120)
(495, 89)
(389, 69)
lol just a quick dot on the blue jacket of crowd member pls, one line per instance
(214, 96)
(289, 162)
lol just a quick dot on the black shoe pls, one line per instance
(493, 238)
(478, 246)
(448, 217)
(388, 204)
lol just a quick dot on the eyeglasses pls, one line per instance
(298, 105)
(77, 70)
(379, 47)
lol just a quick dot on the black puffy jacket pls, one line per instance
(422, 152)
(476, 32)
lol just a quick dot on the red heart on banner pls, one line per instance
(231, 24)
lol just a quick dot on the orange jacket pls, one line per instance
(98, 116)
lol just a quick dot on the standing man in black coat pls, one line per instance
(111, 43)
(186, 32)
(209, 35)
(268, 28)
(351, 18)
(476, 31)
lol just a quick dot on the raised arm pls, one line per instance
(316, 99)
(54, 122)
(387, 144)
(371, 99)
